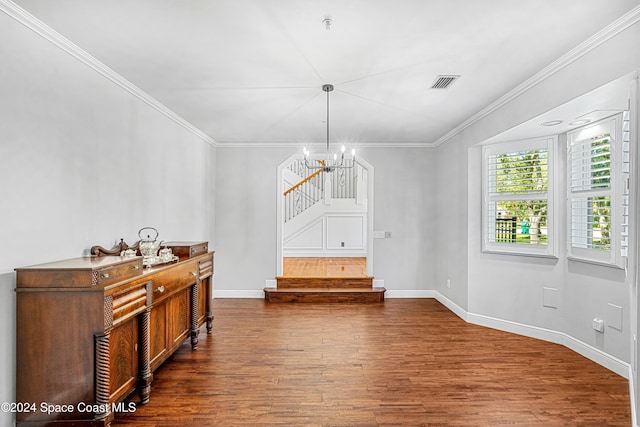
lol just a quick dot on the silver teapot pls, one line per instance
(149, 246)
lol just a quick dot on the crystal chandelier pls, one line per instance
(331, 163)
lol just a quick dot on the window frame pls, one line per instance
(611, 257)
(550, 250)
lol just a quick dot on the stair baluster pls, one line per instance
(310, 189)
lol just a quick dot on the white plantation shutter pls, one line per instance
(626, 176)
(506, 174)
(594, 181)
(590, 185)
(518, 197)
(590, 163)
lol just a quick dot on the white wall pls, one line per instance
(83, 162)
(507, 287)
(451, 223)
(246, 219)
(338, 231)
(405, 205)
(510, 288)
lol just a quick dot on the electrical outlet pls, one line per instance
(448, 283)
(598, 324)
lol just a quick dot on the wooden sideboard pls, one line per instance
(92, 330)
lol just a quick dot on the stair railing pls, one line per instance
(304, 194)
(310, 189)
(344, 181)
(305, 180)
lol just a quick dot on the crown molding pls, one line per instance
(616, 27)
(25, 18)
(295, 144)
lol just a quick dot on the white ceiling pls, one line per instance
(600, 103)
(250, 72)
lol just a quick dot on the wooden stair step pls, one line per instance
(324, 282)
(328, 294)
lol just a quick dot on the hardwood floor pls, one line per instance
(325, 267)
(407, 362)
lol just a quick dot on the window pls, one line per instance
(596, 184)
(518, 202)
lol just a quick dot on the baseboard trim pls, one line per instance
(632, 398)
(592, 353)
(243, 293)
(408, 293)
(455, 308)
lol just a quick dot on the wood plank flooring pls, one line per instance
(325, 267)
(407, 362)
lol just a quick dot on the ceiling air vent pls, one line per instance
(443, 82)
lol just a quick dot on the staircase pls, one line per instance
(324, 236)
(324, 280)
(305, 187)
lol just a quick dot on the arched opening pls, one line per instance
(324, 214)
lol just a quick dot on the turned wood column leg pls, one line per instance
(103, 377)
(209, 311)
(194, 315)
(144, 375)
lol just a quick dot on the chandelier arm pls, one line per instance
(322, 164)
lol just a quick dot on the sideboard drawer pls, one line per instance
(118, 272)
(79, 272)
(187, 249)
(168, 282)
(121, 304)
(205, 268)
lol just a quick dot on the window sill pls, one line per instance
(517, 253)
(598, 263)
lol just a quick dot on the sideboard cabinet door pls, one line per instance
(158, 335)
(169, 326)
(178, 318)
(123, 354)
